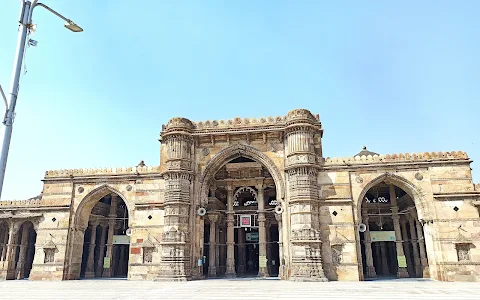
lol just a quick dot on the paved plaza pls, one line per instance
(238, 289)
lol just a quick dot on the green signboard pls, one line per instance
(106, 262)
(402, 261)
(382, 236)
(262, 261)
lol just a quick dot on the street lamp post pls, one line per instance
(24, 28)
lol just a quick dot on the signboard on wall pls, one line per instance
(106, 262)
(251, 237)
(262, 261)
(402, 261)
(382, 236)
(121, 240)
(245, 221)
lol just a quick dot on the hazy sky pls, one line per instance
(396, 76)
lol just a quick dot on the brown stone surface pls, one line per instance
(321, 199)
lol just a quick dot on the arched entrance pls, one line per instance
(392, 240)
(241, 232)
(25, 252)
(106, 245)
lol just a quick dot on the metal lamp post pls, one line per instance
(24, 28)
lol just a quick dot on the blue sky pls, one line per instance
(397, 76)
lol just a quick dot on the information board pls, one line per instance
(106, 262)
(245, 221)
(262, 261)
(382, 236)
(121, 240)
(402, 261)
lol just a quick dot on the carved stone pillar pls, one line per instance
(212, 270)
(384, 261)
(402, 271)
(368, 248)
(416, 257)
(281, 272)
(241, 251)
(23, 251)
(101, 252)
(269, 247)
(3, 250)
(217, 245)
(108, 272)
(406, 246)
(230, 272)
(421, 245)
(90, 271)
(262, 234)
(11, 250)
(176, 258)
(302, 137)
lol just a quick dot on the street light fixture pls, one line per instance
(23, 31)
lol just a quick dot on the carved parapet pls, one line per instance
(397, 158)
(240, 123)
(68, 173)
(21, 203)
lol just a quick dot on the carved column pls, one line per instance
(406, 246)
(269, 247)
(217, 245)
(101, 252)
(303, 203)
(262, 234)
(384, 261)
(402, 271)
(176, 242)
(11, 250)
(23, 251)
(281, 273)
(241, 251)
(108, 272)
(3, 252)
(90, 271)
(212, 270)
(421, 245)
(416, 257)
(368, 248)
(230, 272)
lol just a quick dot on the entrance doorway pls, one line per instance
(106, 243)
(25, 252)
(392, 240)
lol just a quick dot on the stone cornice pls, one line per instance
(402, 158)
(239, 125)
(102, 172)
(375, 163)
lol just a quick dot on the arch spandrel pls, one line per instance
(84, 208)
(409, 187)
(227, 154)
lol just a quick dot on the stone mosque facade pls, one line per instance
(250, 198)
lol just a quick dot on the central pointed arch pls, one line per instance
(230, 153)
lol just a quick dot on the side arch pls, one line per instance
(230, 153)
(85, 207)
(401, 182)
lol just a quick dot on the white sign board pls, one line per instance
(121, 240)
(382, 236)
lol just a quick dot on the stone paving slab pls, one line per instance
(245, 289)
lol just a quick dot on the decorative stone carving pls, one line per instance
(418, 176)
(359, 179)
(205, 151)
